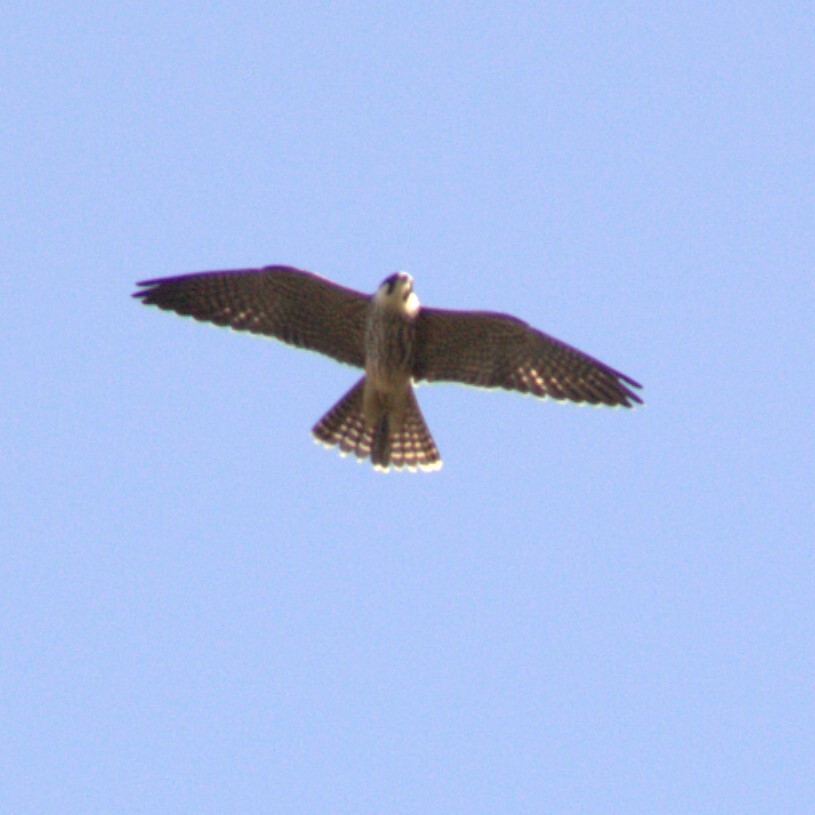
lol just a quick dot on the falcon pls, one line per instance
(396, 342)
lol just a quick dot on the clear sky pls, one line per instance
(586, 611)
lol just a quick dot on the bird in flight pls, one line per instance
(396, 342)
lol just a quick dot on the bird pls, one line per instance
(397, 342)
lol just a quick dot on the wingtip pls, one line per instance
(147, 287)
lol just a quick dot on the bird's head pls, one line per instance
(396, 293)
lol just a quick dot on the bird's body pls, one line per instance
(396, 342)
(390, 344)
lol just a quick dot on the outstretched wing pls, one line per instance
(291, 305)
(499, 351)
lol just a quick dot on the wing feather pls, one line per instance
(492, 350)
(296, 307)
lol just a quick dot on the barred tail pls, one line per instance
(410, 445)
(345, 425)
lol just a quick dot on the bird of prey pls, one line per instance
(396, 342)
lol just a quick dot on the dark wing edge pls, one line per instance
(291, 305)
(491, 350)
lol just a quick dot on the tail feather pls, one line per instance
(381, 452)
(410, 446)
(344, 425)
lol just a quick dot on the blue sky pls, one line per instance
(586, 610)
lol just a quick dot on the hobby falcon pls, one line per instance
(396, 342)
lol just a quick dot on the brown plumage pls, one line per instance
(397, 342)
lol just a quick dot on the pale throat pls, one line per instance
(411, 305)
